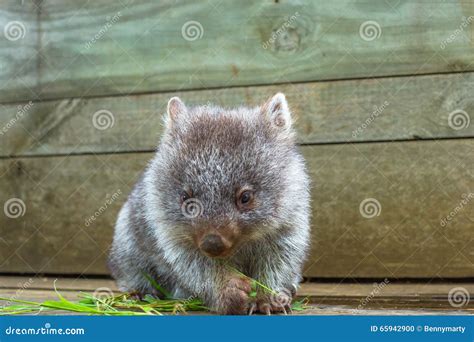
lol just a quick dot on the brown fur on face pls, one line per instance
(229, 235)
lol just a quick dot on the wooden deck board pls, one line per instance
(325, 112)
(414, 185)
(325, 298)
(113, 47)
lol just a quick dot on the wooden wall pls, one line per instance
(377, 118)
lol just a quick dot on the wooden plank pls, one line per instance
(39, 282)
(358, 110)
(386, 287)
(391, 289)
(347, 308)
(110, 47)
(326, 298)
(416, 183)
(19, 48)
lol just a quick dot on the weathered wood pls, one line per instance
(19, 50)
(325, 298)
(110, 47)
(39, 282)
(394, 307)
(358, 110)
(416, 183)
(383, 288)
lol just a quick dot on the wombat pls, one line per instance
(225, 187)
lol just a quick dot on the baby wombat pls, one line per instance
(227, 190)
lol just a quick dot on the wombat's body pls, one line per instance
(226, 187)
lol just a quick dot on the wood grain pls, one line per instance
(325, 298)
(109, 47)
(313, 289)
(325, 112)
(416, 183)
(19, 48)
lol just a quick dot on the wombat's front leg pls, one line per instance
(233, 298)
(282, 277)
(222, 290)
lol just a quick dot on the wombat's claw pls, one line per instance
(135, 295)
(268, 312)
(266, 309)
(252, 308)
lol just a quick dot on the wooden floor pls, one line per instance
(325, 298)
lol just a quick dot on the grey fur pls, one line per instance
(215, 151)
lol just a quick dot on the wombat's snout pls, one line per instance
(213, 245)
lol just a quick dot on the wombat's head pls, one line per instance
(225, 177)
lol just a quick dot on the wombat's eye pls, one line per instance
(184, 196)
(245, 199)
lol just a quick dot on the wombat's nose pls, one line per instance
(213, 245)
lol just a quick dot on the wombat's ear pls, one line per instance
(277, 111)
(175, 108)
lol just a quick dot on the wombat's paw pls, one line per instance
(234, 299)
(136, 295)
(278, 302)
